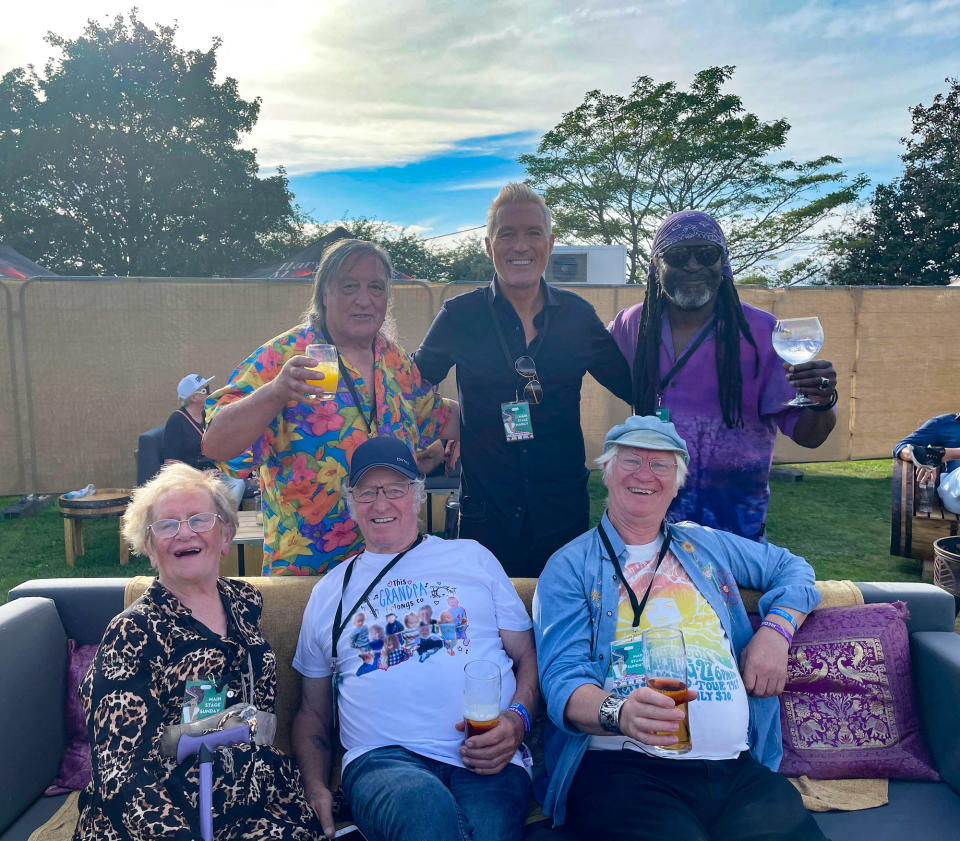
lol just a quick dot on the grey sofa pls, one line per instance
(40, 615)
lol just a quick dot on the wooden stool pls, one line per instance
(106, 502)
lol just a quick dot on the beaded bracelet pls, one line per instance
(521, 711)
(766, 623)
(779, 611)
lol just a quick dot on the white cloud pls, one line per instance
(382, 82)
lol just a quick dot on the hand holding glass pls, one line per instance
(665, 671)
(798, 340)
(481, 696)
(327, 364)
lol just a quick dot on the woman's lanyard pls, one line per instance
(637, 606)
(195, 425)
(339, 623)
(678, 365)
(507, 357)
(352, 387)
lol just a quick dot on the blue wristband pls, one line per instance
(521, 711)
(779, 611)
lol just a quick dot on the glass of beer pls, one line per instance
(481, 696)
(326, 358)
(665, 671)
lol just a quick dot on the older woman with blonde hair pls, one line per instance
(190, 646)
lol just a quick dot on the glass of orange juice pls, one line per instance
(326, 359)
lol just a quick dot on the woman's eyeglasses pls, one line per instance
(198, 524)
(368, 493)
(527, 368)
(677, 256)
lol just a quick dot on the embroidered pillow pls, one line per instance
(847, 710)
(75, 770)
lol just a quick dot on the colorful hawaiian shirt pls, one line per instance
(304, 454)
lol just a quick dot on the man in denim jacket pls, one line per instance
(617, 768)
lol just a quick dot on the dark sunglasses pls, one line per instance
(532, 391)
(677, 256)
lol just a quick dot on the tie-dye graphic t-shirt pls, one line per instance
(402, 652)
(719, 717)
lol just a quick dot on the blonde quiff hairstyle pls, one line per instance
(516, 193)
(176, 476)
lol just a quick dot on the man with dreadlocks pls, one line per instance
(704, 360)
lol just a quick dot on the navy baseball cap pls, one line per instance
(646, 432)
(383, 452)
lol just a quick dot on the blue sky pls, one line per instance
(414, 111)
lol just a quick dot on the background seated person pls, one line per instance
(608, 738)
(940, 431)
(183, 433)
(408, 774)
(154, 668)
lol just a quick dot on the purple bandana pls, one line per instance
(689, 224)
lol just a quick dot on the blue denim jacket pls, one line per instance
(575, 619)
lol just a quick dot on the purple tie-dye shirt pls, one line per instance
(727, 486)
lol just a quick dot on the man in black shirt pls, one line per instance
(521, 348)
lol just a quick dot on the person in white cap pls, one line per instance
(183, 432)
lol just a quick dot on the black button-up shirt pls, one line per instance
(544, 479)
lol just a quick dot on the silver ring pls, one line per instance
(824, 384)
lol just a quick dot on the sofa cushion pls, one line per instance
(847, 710)
(75, 771)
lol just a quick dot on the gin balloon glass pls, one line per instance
(798, 340)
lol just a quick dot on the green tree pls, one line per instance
(467, 262)
(123, 157)
(912, 234)
(614, 167)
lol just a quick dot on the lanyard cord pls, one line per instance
(637, 606)
(338, 622)
(508, 358)
(678, 365)
(351, 386)
(195, 425)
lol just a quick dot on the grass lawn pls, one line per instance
(838, 518)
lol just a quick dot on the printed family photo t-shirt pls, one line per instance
(402, 652)
(720, 716)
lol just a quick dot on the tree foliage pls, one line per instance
(912, 233)
(123, 157)
(614, 167)
(414, 256)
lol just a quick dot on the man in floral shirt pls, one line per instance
(266, 415)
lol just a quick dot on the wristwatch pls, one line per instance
(609, 714)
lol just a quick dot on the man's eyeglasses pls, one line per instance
(658, 466)
(527, 368)
(198, 524)
(677, 256)
(368, 493)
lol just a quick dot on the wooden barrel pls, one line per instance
(105, 502)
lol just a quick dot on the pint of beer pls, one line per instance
(327, 364)
(665, 671)
(481, 696)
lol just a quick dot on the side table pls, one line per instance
(105, 502)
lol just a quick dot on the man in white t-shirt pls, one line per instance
(427, 607)
(617, 767)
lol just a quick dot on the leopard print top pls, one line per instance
(136, 686)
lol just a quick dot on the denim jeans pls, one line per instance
(398, 795)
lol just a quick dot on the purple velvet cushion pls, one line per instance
(75, 771)
(847, 710)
